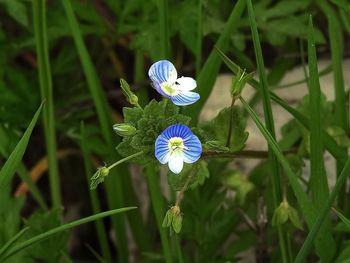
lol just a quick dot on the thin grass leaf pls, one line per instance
(343, 218)
(328, 141)
(163, 29)
(10, 166)
(208, 74)
(199, 37)
(318, 180)
(95, 205)
(45, 79)
(307, 208)
(45, 235)
(96, 255)
(269, 122)
(11, 242)
(309, 241)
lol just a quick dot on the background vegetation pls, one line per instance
(60, 67)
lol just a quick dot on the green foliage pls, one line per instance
(149, 122)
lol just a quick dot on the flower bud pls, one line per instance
(173, 218)
(239, 82)
(124, 129)
(286, 212)
(130, 96)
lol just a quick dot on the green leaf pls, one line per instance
(343, 218)
(17, 10)
(47, 234)
(39, 222)
(12, 241)
(10, 166)
(218, 129)
(177, 223)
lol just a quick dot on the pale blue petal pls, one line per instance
(159, 90)
(162, 149)
(177, 130)
(185, 98)
(193, 149)
(176, 163)
(162, 71)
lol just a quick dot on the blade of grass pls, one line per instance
(328, 141)
(95, 205)
(10, 166)
(158, 209)
(163, 28)
(208, 74)
(199, 38)
(45, 235)
(11, 242)
(22, 171)
(116, 184)
(318, 179)
(45, 80)
(307, 208)
(342, 217)
(307, 245)
(275, 179)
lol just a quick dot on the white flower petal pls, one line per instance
(186, 84)
(176, 163)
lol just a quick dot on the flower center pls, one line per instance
(176, 145)
(169, 89)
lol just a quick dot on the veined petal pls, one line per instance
(192, 150)
(176, 163)
(186, 84)
(177, 130)
(162, 149)
(159, 89)
(185, 98)
(163, 71)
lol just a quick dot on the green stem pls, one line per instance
(45, 79)
(163, 26)
(158, 208)
(199, 38)
(230, 124)
(240, 154)
(178, 249)
(124, 160)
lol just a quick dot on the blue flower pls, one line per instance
(176, 145)
(164, 77)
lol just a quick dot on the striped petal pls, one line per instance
(193, 149)
(163, 71)
(186, 84)
(185, 98)
(177, 130)
(162, 149)
(176, 163)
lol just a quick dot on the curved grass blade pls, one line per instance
(208, 74)
(45, 79)
(61, 228)
(10, 166)
(11, 242)
(305, 249)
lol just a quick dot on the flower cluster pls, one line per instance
(177, 144)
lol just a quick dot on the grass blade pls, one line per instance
(11, 242)
(163, 28)
(207, 75)
(269, 122)
(199, 37)
(95, 205)
(305, 249)
(10, 166)
(64, 227)
(318, 179)
(342, 217)
(45, 79)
